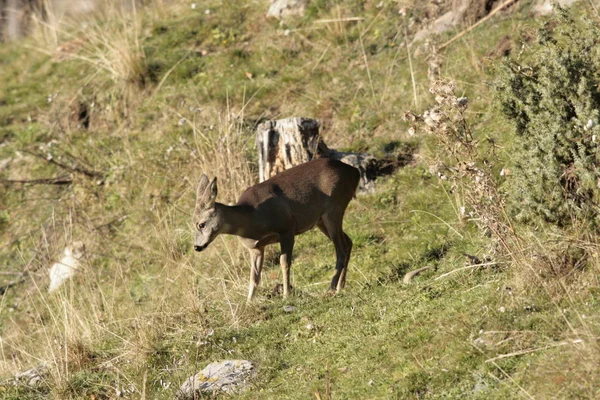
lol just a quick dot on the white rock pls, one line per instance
(225, 376)
(66, 267)
(590, 124)
(282, 9)
(33, 376)
(544, 7)
(445, 22)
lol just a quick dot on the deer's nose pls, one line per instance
(199, 248)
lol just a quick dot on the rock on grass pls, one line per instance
(225, 376)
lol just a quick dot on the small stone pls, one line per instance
(226, 376)
(289, 309)
(67, 266)
(33, 376)
(446, 22)
(502, 309)
(480, 387)
(545, 7)
(590, 124)
(284, 9)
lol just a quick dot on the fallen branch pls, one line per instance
(463, 268)
(412, 274)
(519, 353)
(481, 21)
(42, 181)
(4, 288)
(348, 19)
(79, 169)
(110, 223)
(22, 277)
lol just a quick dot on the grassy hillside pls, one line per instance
(129, 109)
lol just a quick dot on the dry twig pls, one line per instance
(464, 268)
(43, 181)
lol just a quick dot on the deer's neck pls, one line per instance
(237, 220)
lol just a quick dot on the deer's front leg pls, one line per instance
(256, 261)
(287, 246)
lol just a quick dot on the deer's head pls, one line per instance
(206, 218)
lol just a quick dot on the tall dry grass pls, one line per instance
(111, 46)
(106, 41)
(127, 264)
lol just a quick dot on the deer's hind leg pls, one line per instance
(331, 225)
(287, 247)
(256, 261)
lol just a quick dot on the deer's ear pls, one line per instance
(210, 195)
(213, 189)
(202, 184)
(204, 198)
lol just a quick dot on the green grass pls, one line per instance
(145, 311)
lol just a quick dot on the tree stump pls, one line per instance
(285, 143)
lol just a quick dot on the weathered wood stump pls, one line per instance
(285, 143)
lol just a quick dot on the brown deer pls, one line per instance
(312, 194)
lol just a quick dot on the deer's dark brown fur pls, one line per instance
(312, 194)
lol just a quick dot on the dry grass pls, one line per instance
(145, 311)
(552, 266)
(66, 328)
(112, 47)
(108, 42)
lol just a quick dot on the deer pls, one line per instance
(315, 193)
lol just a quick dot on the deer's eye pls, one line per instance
(201, 226)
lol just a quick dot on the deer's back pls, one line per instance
(305, 191)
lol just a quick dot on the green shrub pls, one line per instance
(551, 94)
